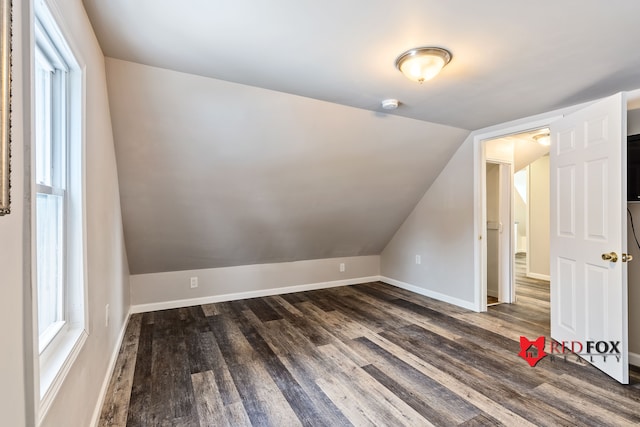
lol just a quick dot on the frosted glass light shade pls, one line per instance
(423, 63)
(543, 139)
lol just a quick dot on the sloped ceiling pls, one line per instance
(215, 174)
(251, 132)
(523, 146)
(511, 59)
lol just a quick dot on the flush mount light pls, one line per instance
(422, 63)
(543, 139)
(390, 104)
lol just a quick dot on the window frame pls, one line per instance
(56, 163)
(54, 362)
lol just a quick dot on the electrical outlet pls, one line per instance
(342, 269)
(106, 315)
(194, 282)
(418, 259)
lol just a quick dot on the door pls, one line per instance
(588, 220)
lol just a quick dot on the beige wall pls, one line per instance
(441, 230)
(107, 270)
(225, 174)
(172, 289)
(16, 382)
(539, 217)
(520, 212)
(442, 227)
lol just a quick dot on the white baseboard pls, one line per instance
(165, 305)
(492, 293)
(431, 294)
(634, 359)
(539, 276)
(143, 308)
(95, 419)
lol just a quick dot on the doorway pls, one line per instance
(499, 232)
(516, 208)
(587, 155)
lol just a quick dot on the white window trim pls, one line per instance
(47, 337)
(55, 367)
(55, 361)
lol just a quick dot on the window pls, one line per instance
(58, 204)
(51, 195)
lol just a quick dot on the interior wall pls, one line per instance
(493, 229)
(441, 230)
(16, 391)
(172, 289)
(633, 128)
(218, 174)
(539, 217)
(521, 211)
(442, 226)
(106, 264)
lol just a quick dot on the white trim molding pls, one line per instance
(634, 359)
(470, 305)
(164, 305)
(54, 371)
(95, 419)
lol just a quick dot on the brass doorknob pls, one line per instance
(627, 257)
(611, 256)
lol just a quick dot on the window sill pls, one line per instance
(49, 335)
(55, 367)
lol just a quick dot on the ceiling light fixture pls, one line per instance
(422, 63)
(390, 104)
(543, 139)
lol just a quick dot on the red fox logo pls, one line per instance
(532, 357)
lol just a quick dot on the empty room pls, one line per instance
(285, 213)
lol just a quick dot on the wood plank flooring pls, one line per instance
(363, 355)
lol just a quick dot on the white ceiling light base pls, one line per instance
(423, 63)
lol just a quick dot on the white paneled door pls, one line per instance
(588, 235)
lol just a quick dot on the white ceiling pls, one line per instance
(236, 137)
(510, 59)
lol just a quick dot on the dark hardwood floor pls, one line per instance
(369, 354)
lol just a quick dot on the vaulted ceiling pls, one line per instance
(251, 132)
(216, 174)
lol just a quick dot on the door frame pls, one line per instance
(479, 196)
(631, 101)
(480, 211)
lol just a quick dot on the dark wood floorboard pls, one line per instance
(368, 354)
